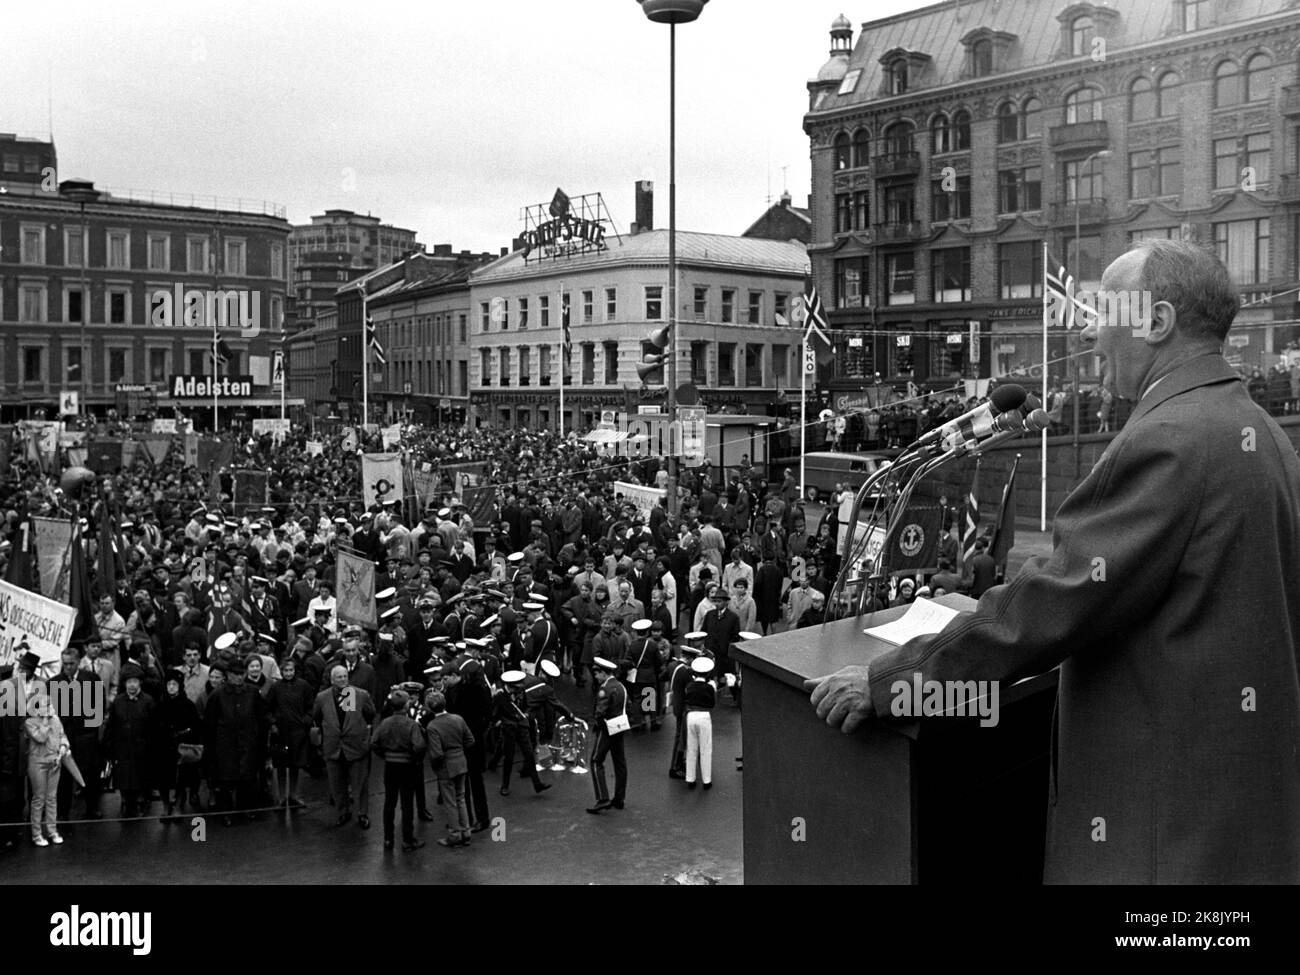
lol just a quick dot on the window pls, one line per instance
(159, 256)
(1020, 190)
(74, 247)
(900, 278)
(726, 364)
(75, 305)
(861, 148)
(277, 312)
(1141, 101)
(611, 304)
(1225, 163)
(505, 314)
(236, 255)
(780, 308)
(1082, 33)
(1081, 105)
(780, 364)
(981, 57)
(852, 282)
(1258, 154)
(588, 307)
(11, 163)
(1082, 182)
(611, 363)
(157, 365)
(700, 363)
(72, 359)
(950, 274)
(753, 365)
(464, 327)
(1083, 258)
(544, 311)
(1157, 172)
(503, 356)
(117, 365)
(1196, 14)
(961, 130)
(654, 302)
(850, 82)
(1242, 245)
(1157, 233)
(588, 363)
(484, 316)
(196, 251)
(700, 305)
(1031, 119)
(843, 212)
(843, 150)
(525, 365)
(117, 307)
(1168, 100)
(898, 139)
(33, 365)
(1227, 85)
(33, 303)
(755, 308)
(950, 204)
(903, 355)
(200, 361)
(900, 203)
(523, 313)
(897, 77)
(277, 261)
(544, 365)
(33, 246)
(1259, 78)
(940, 135)
(1020, 270)
(728, 305)
(1008, 122)
(485, 366)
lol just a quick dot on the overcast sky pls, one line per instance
(445, 117)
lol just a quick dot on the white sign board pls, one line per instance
(164, 425)
(874, 545)
(69, 402)
(29, 621)
(645, 498)
(277, 370)
(278, 428)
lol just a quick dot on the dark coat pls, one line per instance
(1170, 591)
(472, 700)
(767, 592)
(177, 721)
(236, 727)
(289, 706)
(130, 734)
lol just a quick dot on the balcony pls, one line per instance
(1081, 136)
(897, 164)
(902, 230)
(1088, 212)
(1291, 101)
(1288, 188)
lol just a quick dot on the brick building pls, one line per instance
(949, 143)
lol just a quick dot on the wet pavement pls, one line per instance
(665, 830)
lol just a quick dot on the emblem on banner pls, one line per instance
(912, 540)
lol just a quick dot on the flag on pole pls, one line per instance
(1064, 309)
(356, 589)
(21, 570)
(971, 523)
(1004, 532)
(381, 478)
(916, 543)
(372, 339)
(53, 541)
(110, 565)
(220, 352)
(564, 321)
(79, 598)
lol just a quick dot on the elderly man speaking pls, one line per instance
(1170, 603)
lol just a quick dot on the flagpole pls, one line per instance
(564, 354)
(803, 419)
(365, 365)
(1042, 517)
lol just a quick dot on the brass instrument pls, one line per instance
(569, 746)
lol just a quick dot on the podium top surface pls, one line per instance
(816, 651)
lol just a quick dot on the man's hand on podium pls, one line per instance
(843, 698)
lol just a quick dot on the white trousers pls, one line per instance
(699, 744)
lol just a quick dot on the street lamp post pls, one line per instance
(82, 192)
(1074, 358)
(672, 13)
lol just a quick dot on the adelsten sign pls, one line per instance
(206, 387)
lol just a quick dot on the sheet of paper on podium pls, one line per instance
(922, 618)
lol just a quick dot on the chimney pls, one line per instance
(785, 200)
(645, 204)
(517, 244)
(505, 251)
(633, 230)
(442, 250)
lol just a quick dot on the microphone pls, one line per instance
(976, 423)
(1037, 420)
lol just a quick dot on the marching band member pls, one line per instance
(611, 706)
(699, 699)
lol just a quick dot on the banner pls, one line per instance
(157, 449)
(52, 540)
(214, 454)
(76, 456)
(104, 456)
(191, 450)
(916, 544)
(131, 451)
(29, 621)
(426, 486)
(870, 553)
(42, 441)
(355, 585)
(164, 425)
(315, 448)
(6, 435)
(645, 498)
(72, 438)
(381, 478)
(277, 428)
(392, 435)
(349, 440)
(249, 491)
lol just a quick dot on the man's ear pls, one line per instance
(1160, 326)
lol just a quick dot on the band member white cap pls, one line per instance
(550, 668)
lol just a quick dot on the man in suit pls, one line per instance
(342, 716)
(722, 626)
(1186, 528)
(360, 673)
(641, 580)
(611, 702)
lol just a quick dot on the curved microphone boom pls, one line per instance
(976, 423)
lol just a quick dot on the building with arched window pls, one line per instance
(999, 125)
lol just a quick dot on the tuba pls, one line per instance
(569, 746)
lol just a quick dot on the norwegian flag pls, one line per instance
(220, 353)
(372, 339)
(1059, 285)
(565, 321)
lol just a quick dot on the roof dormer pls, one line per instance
(988, 52)
(903, 71)
(1087, 29)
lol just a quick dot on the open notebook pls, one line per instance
(922, 617)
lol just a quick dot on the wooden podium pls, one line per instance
(943, 800)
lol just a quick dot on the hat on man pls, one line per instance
(444, 512)
(353, 632)
(750, 635)
(600, 663)
(695, 635)
(389, 614)
(225, 641)
(702, 665)
(266, 638)
(494, 618)
(383, 594)
(549, 668)
(398, 698)
(512, 677)
(236, 665)
(641, 626)
(514, 558)
(531, 607)
(305, 621)
(198, 512)
(129, 671)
